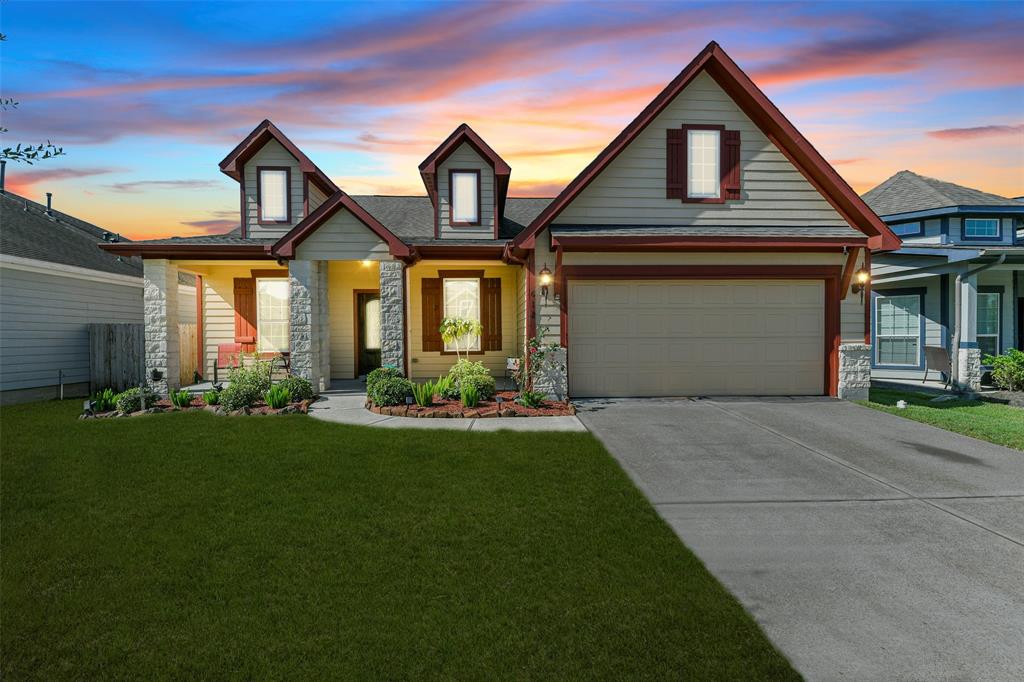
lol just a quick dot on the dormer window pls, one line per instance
(981, 228)
(464, 197)
(703, 154)
(272, 195)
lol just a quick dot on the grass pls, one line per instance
(994, 422)
(193, 546)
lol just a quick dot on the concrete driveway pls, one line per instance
(868, 547)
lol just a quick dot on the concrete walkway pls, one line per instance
(344, 404)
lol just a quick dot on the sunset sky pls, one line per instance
(147, 98)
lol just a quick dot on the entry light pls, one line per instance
(860, 280)
(545, 279)
(366, 263)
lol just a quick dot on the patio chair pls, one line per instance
(936, 359)
(229, 355)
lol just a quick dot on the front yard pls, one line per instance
(192, 545)
(994, 422)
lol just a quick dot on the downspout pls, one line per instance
(954, 352)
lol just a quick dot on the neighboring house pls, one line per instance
(708, 250)
(54, 281)
(961, 251)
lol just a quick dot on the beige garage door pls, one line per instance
(696, 337)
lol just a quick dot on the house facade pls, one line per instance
(956, 283)
(707, 250)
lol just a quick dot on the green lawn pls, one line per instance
(195, 546)
(993, 422)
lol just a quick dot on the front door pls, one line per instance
(367, 331)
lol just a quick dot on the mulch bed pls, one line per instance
(449, 409)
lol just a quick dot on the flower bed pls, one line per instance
(449, 409)
(164, 405)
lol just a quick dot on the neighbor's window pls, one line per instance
(465, 197)
(988, 323)
(702, 154)
(462, 300)
(981, 227)
(898, 330)
(274, 196)
(272, 315)
(907, 229)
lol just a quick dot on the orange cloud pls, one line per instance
(977, 132)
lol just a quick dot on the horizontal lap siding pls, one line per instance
(271, 154)
(43, 320)
(343, 237)
(342, 279)
(465, 157)
(316, 197)
(632, 188)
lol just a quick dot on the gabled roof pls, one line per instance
(28, 232)
(285, 246)
(464, 134)
(234, 162)
(907, 192)
(765, 115)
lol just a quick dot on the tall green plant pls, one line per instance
(423, 393)
(454, 330)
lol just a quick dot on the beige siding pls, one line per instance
(316, 197)
(343, 237)
(343, 278)
(465, 157)
(429, 365)
(631, 189)
(272, 154)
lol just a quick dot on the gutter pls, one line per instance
(957, 307)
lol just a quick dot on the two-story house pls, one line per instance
(709, 249)
(956, 283)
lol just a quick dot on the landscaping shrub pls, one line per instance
(470, 396)
(424, 393)
(181, 398)
(468, 372)
(442, 385)
(211, 397)
(247, 386)
(485, 386)
(103, 401)
(382, 373)
(299, 388)
(131, 400)
(531, 398)
(1007, 370)
(277, 397)
(390, 390)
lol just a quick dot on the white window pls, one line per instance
(981, 227)
(898, 330)
(702, 173)
(907, 229)
(465, 197)
(371, 325)
(272, 315)
(274, 196)
(988, 323)
(462, 300)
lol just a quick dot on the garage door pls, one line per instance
(696, 337)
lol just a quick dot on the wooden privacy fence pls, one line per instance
(116, 356)
(189, 352)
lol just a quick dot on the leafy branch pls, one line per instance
(25, 153)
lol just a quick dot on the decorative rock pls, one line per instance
(508, 412)
(492, 413)
(470, 414)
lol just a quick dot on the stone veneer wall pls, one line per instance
(392, 313)
(854, 371)
(160, 308)
(969, 376)
(303, 280)
(553, 377)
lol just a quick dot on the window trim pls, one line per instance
(998, 291)
(451, 198)
(686, 128)
(919, 233)
(876, 296)
(287, 195)
(259, 320)
(968, 238)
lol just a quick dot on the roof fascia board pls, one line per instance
(63, 270)
(207, 251)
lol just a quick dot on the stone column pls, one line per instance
(969, 355)
(552, 376)
(304, 294)
(160, 310)
(854, 371)
(392, 314)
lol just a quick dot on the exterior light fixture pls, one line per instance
(860, 280)
(545, 279)
(367, 262)
(408, 400)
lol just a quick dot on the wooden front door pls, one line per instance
(367, 329)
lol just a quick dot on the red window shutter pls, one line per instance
(675, 164)
(431, 294)
(490, 313)
(731, 164)
(245, 313)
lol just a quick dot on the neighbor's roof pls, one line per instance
(28, 232)
(907, 192)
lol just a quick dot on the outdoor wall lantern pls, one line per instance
(545, 280)
(860, 280)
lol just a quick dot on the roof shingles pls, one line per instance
(907, 192)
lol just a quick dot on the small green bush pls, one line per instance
(470, 396)
(485, 386)
(1007, 370)
(469, 372)
(390, 390)
(382, 373)
(277, 397)
(531, 398)
(131, 400)
(299, 388)
(103, 401)
(247, 386)
(211, 397)
(424, 393)
(181, 398)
